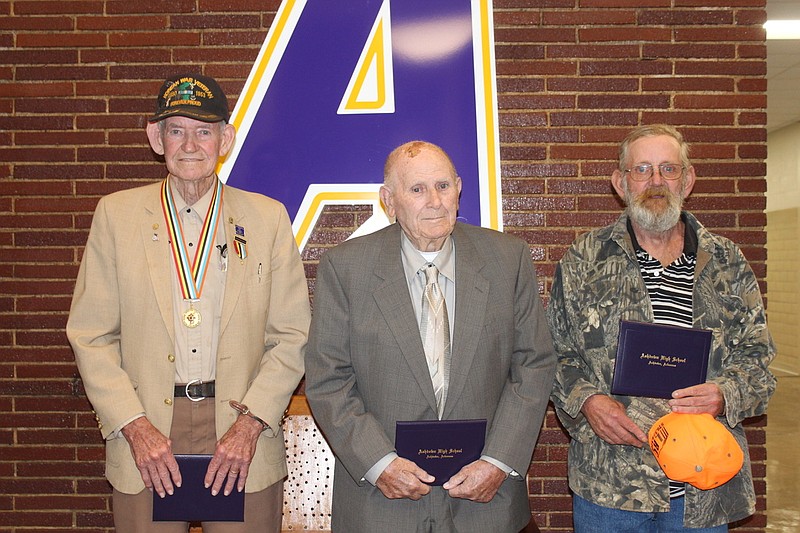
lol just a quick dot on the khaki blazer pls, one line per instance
(122, 332)
(366, 369)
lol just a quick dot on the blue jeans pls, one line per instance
(590, 518)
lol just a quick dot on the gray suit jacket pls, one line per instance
(121, 324)
(366, 369)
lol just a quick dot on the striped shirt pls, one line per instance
(670, 289)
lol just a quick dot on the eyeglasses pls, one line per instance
(644, 171)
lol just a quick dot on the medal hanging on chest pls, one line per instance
(192, 277)
(192, 317)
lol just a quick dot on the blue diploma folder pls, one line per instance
(654, 359)
(192, 501)
(440, 447)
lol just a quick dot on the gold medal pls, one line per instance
(192, 318)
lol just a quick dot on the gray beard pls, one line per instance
(652, 221)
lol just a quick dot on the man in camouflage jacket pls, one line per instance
(597, 283)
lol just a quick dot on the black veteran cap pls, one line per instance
(193, 96)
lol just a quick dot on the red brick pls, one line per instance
(699, 51)
(203, 55)
(215, 21)
(752, 85)
(702, 117)
(78, 171)
(536, 102)
(58, 106)
(37, 154)
(120, 7)
(49, 73)
(593, 118)
(60, 40)
(140, 22)
(588, 84)
(593, 51)
(624, 3)
(23, 503)
(234, 38)
(517, 18)
(758, 51)
(39, 57)
(36, 23)
(599, 34)
(624, 66)
(758, 151)
(614, 101)
(682, 84)
(37, 89)
(60, 138)
(170, 39)
(737, 33)
(239, 5)
(753, 119)
(685, 17)
(32, 518)
(721, 68)
(588, 17)
(127, 56)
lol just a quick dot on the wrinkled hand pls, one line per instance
(477, 481)
(404, 479)
(152, 452)
(610, 422)
(233, 455)
(703, 398)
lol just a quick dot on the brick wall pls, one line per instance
(79, 76)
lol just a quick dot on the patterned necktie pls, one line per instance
(435, 332)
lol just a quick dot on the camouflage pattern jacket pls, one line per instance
(597, 283)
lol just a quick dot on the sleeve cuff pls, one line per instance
(502, 466)
(377, 469)
(117, 433)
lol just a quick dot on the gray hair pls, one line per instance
(653, 130)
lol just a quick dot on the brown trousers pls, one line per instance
(193, 431)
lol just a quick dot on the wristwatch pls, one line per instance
(243, 409)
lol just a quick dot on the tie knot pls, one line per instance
(431, 274)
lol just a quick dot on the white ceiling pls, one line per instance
(783, 69)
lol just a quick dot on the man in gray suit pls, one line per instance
(369, 362)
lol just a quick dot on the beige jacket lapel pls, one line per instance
(233, 215)
(160, 265)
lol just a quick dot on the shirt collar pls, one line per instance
(444, 261)
(200, 206)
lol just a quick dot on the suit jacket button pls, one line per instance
(168, 401)
(171, 358)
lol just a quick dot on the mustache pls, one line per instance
(660, 190)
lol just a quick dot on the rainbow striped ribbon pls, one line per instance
(191, 279)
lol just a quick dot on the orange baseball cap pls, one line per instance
(696, 449)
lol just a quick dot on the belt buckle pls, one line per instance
(194, 398)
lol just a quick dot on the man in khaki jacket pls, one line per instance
(189, 322)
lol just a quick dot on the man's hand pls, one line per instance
(152, 452)
(610, 422)
(404, 479)
(233, 455)
(703, 398)
(477, 481)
